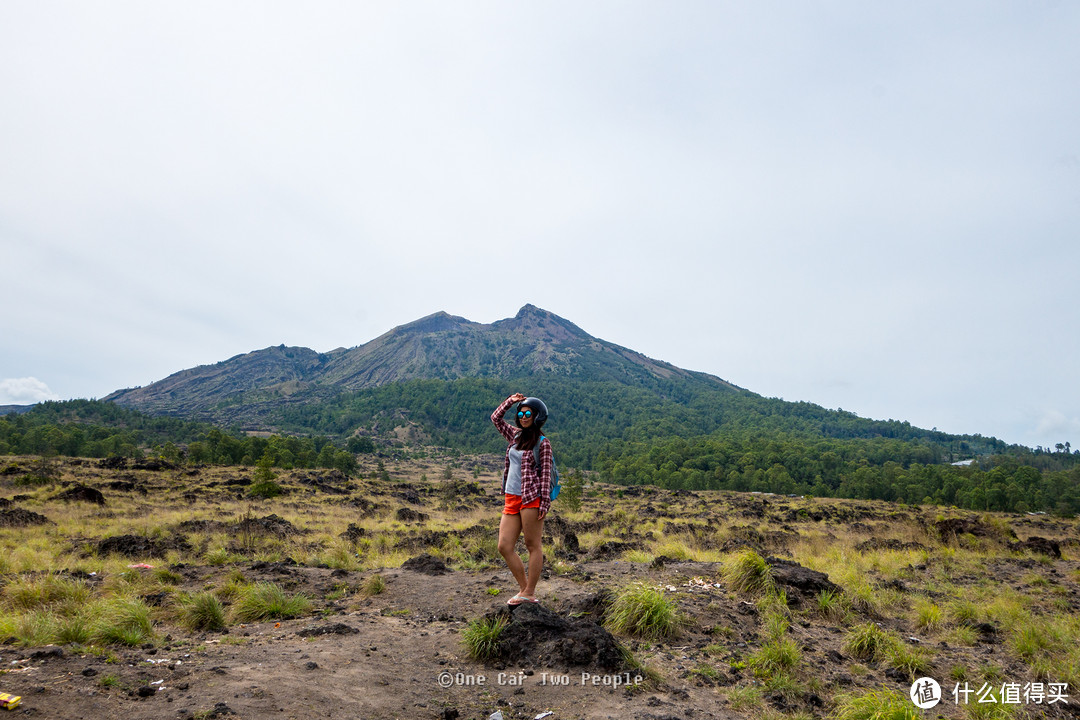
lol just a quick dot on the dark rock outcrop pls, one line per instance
(534, 635)
(426, 565)
(82, 493)
(19, 517)
(803, 580)
(1038, 545)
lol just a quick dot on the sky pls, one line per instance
(868, 206)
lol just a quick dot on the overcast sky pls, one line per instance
(871, 206)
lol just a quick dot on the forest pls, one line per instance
(676, 436)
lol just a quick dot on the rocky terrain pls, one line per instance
(396, 566)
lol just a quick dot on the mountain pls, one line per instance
(434, 381)
(440, 346)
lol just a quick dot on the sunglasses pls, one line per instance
(524, 414)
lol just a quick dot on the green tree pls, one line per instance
(572, 490)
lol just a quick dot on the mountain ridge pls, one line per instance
(438, 346)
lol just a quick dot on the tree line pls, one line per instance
(75, 428)
(674, 435)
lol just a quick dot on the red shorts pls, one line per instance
(513, 504)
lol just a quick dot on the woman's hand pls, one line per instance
(517, 397)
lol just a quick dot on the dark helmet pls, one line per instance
(538, 407)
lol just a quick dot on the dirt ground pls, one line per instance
(399, 657)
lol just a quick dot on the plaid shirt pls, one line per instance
(532, 487)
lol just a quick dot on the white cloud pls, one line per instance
(1056, 424)
(24, 391)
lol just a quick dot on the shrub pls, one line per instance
(643, 611)
(748, 573)
(267, 601)
(884, 705)
(481, 637)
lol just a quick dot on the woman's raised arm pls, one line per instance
(504, 427)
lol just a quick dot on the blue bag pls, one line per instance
(554, 470)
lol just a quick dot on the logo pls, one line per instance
(925, 693)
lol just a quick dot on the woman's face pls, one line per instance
(525, 416)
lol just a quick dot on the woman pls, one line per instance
(526, 489)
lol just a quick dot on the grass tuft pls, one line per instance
(929, 616)
(35, 592)
(748, 573)
(202, 611)
(831, 605)
(267, 601)
(869, 642)
(481, 637)
(123, 621)
(775, 657)
(913, 661)
(885, 705)
(643, 611)
(373, 585)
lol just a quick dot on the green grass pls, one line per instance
(883, 705)
(37, 627)
(706, 671)
(775, 657)
(748, 573)
(745, 697)
(28, 593)
(77, 628)
(643, 611)
(266, 601)
(168, 577)
(481, 637)
(929, 616)
(265, 489)
(964, 612)
(220, 556)
(373, 585)
(830, 605)
(913, 661)
(123, 621)
(775, 625)
(202, 611)
(868, 642)
(989, 711)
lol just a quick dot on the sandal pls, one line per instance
(520, 600)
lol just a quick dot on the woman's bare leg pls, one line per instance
(509, 529)
(533, 528)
